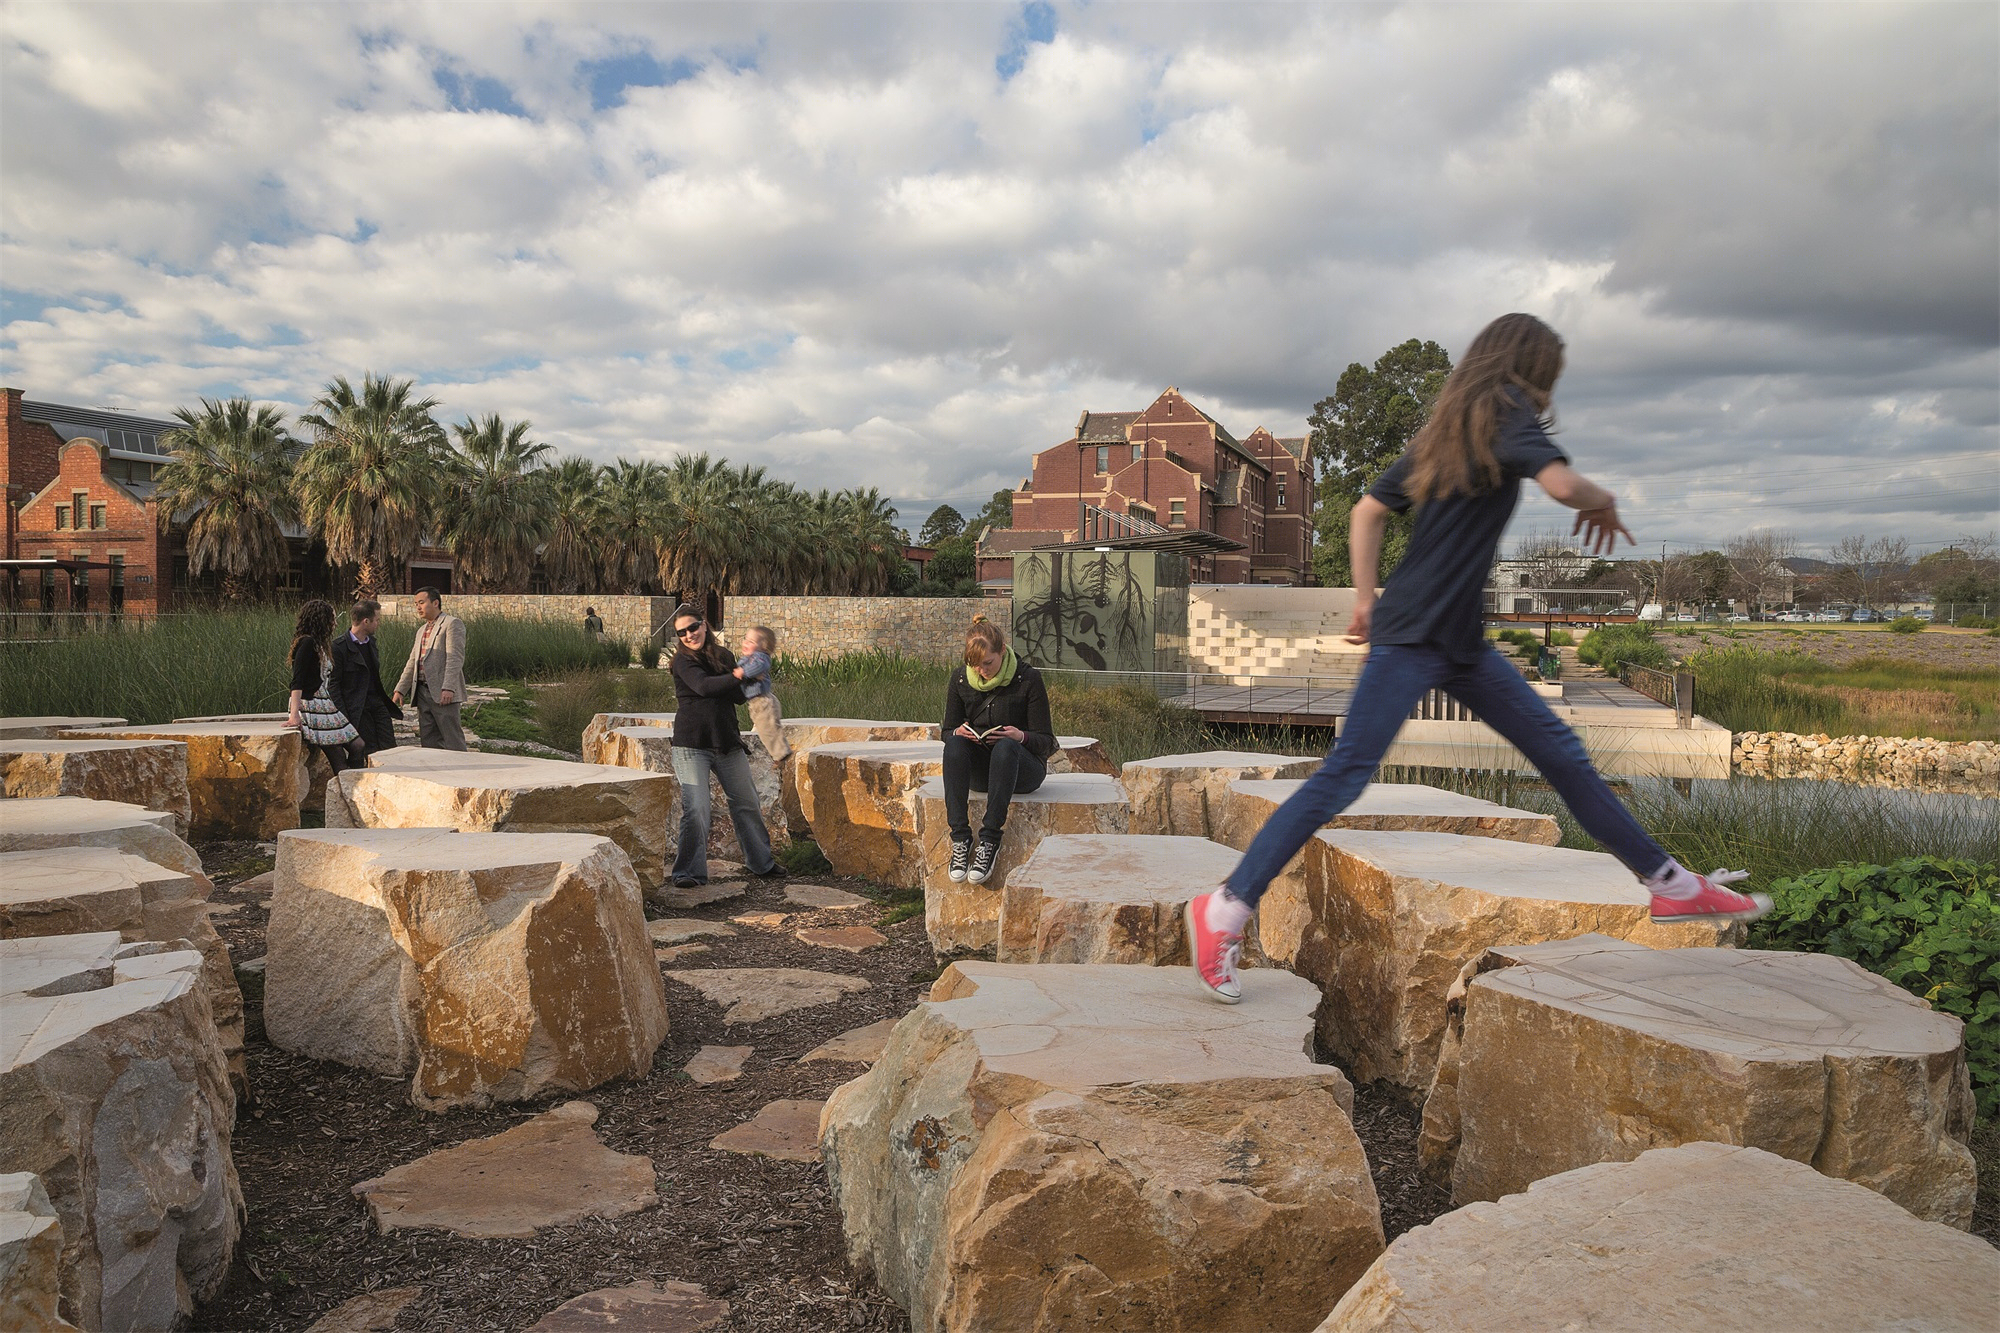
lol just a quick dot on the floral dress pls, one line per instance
(320, 720)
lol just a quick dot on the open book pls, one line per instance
(990, 731)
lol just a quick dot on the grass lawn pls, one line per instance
(1749, 689)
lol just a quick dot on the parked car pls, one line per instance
(1795, 617)
(1864, 614)
(1922, 615)
(1739, 620)
(1830, 617)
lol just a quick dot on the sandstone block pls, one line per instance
(48, 728)
(151, 774)
(117, 1096)
(483, 966)
(1385, 807)
(787, 1130)
(1590, 1050)
(964, 919)
(1107, 898)
(806, 734)
(651, 748)
(1081, 754)
(77, 821)
(1102, 1147)
(31, 1243)
(596, 736)
(656, 1307)
(1384, 921)
(79, 890)
(754, 994)
(860, 797)
(245, 779)
(409, 788)
(1660, 1242)
(1184, 795)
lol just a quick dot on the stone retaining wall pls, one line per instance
(924, 627)
(1904, 761)
(633, 619)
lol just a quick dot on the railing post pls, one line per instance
(1684, 699)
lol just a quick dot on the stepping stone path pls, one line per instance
(860, 1046)
(717, 1064)
(787, 1130)
(371, 1312)
(806, 734)
(654, 1307)
(544, 1172)
(1681, 1238)
(680, 929)
(761, 920)
(482, 966)
(1107, 898)
(31, 1245)
(245, 779)
(118, 1097)
(60, 891)
(679, 951)
(77, 821)
(410, 788)
(964, 919)
(824, 897)
(1185, 794)
(151, 774)
(754, 994)
(701, 895)
(861, 800)
(852, 939)
(1384, 807)
(1106, 1147)
(1594, 1050)
(48, 728)
(1386, 921)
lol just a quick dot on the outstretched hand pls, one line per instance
(1601, 528)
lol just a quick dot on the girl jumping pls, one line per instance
(1462, 474)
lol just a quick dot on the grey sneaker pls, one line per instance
(961, 858)
(982, 862)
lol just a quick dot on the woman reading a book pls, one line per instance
(997, 740)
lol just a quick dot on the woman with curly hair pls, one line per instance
(320, 722)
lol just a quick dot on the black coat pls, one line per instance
(705, 699)
(1022, 702)
(357, 687)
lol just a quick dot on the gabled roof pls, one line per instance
(1104, 427)
(1295, 445)
(1229, 487)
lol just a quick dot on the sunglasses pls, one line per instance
(691, 629)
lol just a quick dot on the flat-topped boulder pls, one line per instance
(484, 967)
(77, 821)
(151, 774)
(1185, 794)
(48, 728)
(1102, 1147)
(31, 1243)
(1107, 898)
(1680, 1238)
(410, 788)
(79, 890)
(245, 779)
(1595, 1050)
(651, 749)
(860, 797)
(118, 1097)
(964, 919)
(806, 734)
(1383, 807)
(596, 734)
(1081, 754)
(1383, 922)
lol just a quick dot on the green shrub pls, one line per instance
(1930, 925)
(1608, 645)
(1906, 625)
(1974, 622)
(1562, 638)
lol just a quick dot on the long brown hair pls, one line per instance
(314, 625)
(1515, 356)
(982, 637)
(711, 655)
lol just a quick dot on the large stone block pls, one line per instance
(860, 797)
(1384, 921)
(116, 1094)
(245, 779)
(48, 728)
(1707, 1236)
(651, 749)
(410, 788)
(31, 1243)
(963, 919)
(1383, 807)
(806, 734)
(1081, 754)
(1186, 794)
(1102, 1147)
(82, 889)
(1590, 1050)
(1107, 898)
(596, 735)
(77, 821)
(483, 966)
(150, 774)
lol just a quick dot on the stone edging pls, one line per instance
(1786, 754)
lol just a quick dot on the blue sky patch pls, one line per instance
(608, 79)
(475, 92)
(1036, 25)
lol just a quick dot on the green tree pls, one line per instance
(954, 570)
(575, 511)
(628, 527)
(366, 484)
(943, 523)
(1357, 432)
(231, 475)
(999, 512)
(1713, 575)
(499, 512)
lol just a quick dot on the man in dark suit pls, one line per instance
(356, 684)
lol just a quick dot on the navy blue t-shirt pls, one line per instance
(1435, 597)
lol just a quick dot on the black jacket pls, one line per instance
(705, 701)
(305, 671)
(1022, 702)
(357, 687)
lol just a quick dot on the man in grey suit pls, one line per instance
(435, 674)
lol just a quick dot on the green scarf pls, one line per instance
(1000, 679)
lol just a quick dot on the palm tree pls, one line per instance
(231, 477)
(575, 508)
(629, 525)
(697, 526)
(499, 512)
(366, 482)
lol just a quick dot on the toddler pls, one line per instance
(753, 668)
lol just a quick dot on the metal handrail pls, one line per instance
(1186, 688)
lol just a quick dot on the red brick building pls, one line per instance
(1175, 466)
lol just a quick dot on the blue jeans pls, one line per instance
(731, 768)
(1396, 677)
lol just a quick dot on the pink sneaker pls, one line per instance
(1212, 952)
(1716, 901)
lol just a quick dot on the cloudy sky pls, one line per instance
(905, 245)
